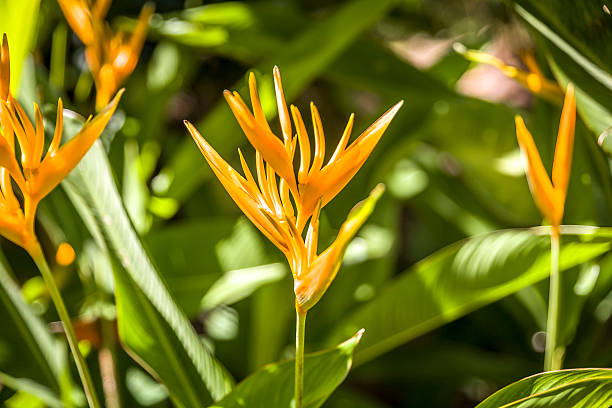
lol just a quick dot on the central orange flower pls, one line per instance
(282, 206)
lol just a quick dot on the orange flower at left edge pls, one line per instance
(111, 56)
(35, 173)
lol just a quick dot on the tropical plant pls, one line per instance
(143, 285)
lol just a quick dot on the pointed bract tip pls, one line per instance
(149, 7)
(570, 88)
(348, 346)
(359, 334)
(518, 120)
(378, 191)
(192, 129)
(459, 48)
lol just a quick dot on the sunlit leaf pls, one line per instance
(586, 388)
(18, 19)
(461, 278)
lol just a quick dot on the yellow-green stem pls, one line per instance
(553, 357)
(300, 331)
(90, 391)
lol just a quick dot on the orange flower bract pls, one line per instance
(281, 203)
(548, 194)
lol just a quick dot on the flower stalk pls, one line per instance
(549, 196)
(553, 357)
(37, 255)
(300, 334)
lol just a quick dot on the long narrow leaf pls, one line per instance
(32, 353)
(93, 191)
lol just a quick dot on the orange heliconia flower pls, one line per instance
(38, 174)
(111, 56)
(281, 206)
(550, 195)
(534, 80)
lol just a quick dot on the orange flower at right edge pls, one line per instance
(280, 206)
(549, 195)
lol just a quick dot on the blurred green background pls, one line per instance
(437, 334)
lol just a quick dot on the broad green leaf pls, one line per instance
(194, 254)
(18, 19)
(272, 386)
(300, 61)
(461, 278)
(582, 388)
(165, 339)
(27, 350)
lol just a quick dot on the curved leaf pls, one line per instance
(584, 388)
(463, 277)
(272, 386)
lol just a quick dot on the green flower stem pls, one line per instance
(39, 258)
(553, 357)
(300, 331)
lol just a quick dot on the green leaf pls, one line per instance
(194, 254)
(272, 386)
(300, 61)
(585, 388)
(164, 341)
(463, 277)
(27, 350)
(18, 20)
(239, 284)
(32, 388)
